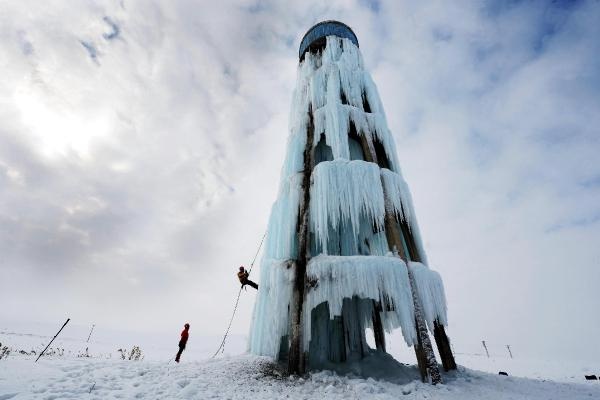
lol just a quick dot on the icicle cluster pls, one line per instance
(350, 192)
(383, 279)
(321, 82)
(345, 191)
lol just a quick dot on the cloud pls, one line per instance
(137, 171)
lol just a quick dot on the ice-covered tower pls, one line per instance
(343, 251)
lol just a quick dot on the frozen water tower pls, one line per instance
(343, 252)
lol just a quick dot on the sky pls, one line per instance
(141, 144)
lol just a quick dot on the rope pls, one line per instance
(237, 301)
(256, 255)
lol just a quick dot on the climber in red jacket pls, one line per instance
(184, 338)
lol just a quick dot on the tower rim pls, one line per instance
(323, 29)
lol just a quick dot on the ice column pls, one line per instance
(328, 271)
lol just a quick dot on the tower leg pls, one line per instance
(424, 351)
(295, 355)
(443, 345)
(421, 359)
(297, 358)
(396, 238)
(354, 330)
(378, 328)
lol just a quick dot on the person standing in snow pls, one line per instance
(183, 341)
(243, 277)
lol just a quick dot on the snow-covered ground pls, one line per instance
(243, 377)
(239, 376)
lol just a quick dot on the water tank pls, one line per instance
(314, 39)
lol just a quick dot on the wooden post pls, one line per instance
(485, 347)
(428, 365)
(90, 335)
(57, 333)
(509, 352)
(296, 358)
(423, 350)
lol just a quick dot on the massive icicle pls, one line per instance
(397, 195)
(281, 240)
(430, 289)
(270, 319)
(399, 201)
(383, 279)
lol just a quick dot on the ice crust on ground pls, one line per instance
(383, 279)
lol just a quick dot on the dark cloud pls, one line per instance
(91, 50)
(115, 29)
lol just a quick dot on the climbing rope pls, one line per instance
(257, 251)
(237, 301)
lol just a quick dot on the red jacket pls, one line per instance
(184, 336)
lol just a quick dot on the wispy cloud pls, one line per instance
(134, 184)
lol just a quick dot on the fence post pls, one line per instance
(43, 351)
(486, 349)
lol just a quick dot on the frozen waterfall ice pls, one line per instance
(348, 186)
